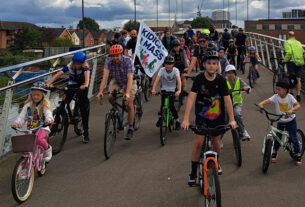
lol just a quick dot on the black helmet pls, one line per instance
(283, 84)
(212, 54)
(175, 42)
(204, 36)
(211, 45)
(169, 59)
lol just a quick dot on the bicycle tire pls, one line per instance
(20, 198)
(163, 127)
(267, 155)
(213, 181)
(251, 79)
(43, 166)
(301, 139)
(138, 112)
(237, 147)
(59, 132)
(147, 91)
(109, 135)
(242, 66)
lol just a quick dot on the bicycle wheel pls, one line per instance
(21, 185)
(237, 148)
(274, 81)
(110, 134)
(213, 197)
(242, 65)
(163, 127)
(267, 155)
(138, 112)
(59, 131)
(301, 139)
(250, 78)
(147, 90)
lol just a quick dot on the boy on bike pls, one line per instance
(231, 52)
(211, 96)
(285, 103)
(170, 82)
(236, 83)
(254, 60)
(223, 61)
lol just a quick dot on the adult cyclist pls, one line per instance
(121, 70)
(240, 41)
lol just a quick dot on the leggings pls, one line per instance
(42, 136)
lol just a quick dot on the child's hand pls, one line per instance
(15, 125)
(83, 87)
(177, 93)
(185, 124)
(289, 112)
(261, 106)
(153, 92)
(49, 122)
(99, 96)
(233, 124)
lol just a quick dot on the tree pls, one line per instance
(201, 22)
(90, 24)
(27, 38)
(62, 42)
(130, 25)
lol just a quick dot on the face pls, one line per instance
(221, 53)
(203, 42)
(211, 66)
(240, 32)
(177, 48)
(252, 52)
(77, 65)
(116, 58)
(168, 34)
(133, 34)
(182, 43)
(230, 75)
(281, 91)
(37, 96)
(169, 67)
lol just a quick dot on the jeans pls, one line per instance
(238, 118)
(291, 127)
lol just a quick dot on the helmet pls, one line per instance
(231, 40)
(79, 57)
(240, 29)
(169, 59)
(175, 42)
(182, 40)
(212, 54)
(220, 48)
(206, 31)
(39, 85)
(116, 49)
(252, 48)
(212, 45)
(229, 68)
(283, 84)
(203, 35)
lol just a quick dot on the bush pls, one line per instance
(10, 59)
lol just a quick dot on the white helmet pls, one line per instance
(229, 68)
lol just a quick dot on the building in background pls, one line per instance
(294, 14)
(220, 15)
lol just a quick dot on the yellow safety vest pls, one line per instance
(237, 96)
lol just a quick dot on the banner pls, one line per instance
(149, 50)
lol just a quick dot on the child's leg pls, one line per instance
(256, 67)
(172, 107)
(216, 144)
(276, 144)
(84, 110)
(42, 136)
(238, 117)
(292, 130)
(197, 144)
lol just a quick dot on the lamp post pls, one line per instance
(135, 12)
(157, 16)
(83, 23)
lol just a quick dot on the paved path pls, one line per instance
(141, 173)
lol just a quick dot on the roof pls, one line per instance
(49, 34)
(96, 34)
(161, 23)
(6, 25)
(221, 22)
(80, 34)
(288, 20)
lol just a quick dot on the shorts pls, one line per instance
(114, 86)
(204, 133)
(294, 70)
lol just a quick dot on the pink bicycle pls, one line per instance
(31, 161)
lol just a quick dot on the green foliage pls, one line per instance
(27, 38)
(201, 22)
(10, 59)
(62, 42)
(90, 24)
(3, 81)
(131, 24)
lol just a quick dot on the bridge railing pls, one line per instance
(270, 49)
(19, 78)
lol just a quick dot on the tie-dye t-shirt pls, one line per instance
(209, 105)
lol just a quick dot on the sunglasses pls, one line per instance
(202, 41)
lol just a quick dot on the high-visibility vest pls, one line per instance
(236, 96)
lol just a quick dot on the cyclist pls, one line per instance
(188, 41)
(170, 82)
(79, 77)
(120, 68)
(168, 39)
(236, 83)
(35, 112)
(285, 102)
(225, 37)
(187, 51)
(213, 34)
(180, 62)
(211, 96)
(223, 61)
(240, 41)
(231, 51)
(254, 59)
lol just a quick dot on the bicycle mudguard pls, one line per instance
(205, 171)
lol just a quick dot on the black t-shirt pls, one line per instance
(240, 39)
(131, 44)
(209, 105)
(232, 50)
(199, 54)
(178, 61)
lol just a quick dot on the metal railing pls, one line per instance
(14, 94)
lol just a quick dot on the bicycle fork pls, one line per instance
(208, 156)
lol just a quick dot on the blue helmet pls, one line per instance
(220, 48)
(39, 85)
(252, 48)
(79, 57)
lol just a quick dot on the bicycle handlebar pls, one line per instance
(267, 113)
(30, 130)
(190, 77)
(209, 130)
(160, 93)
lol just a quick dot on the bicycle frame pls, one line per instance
(34, 159)
(273, 132)
(165, 107)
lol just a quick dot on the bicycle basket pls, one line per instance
(24, 143)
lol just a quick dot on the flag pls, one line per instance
(149, 50)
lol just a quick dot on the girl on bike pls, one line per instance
(285, 103)
(79, 75)
(187, 51)
(231, 52)
(36, 112)
(254, 59)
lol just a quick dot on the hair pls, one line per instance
(44, 103)
(124, 32)
(84, 65)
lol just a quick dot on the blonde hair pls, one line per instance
(44, 104)
(84, 65)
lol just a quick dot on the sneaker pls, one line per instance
(192, 180)
(177, 124)
(47, 155)
(273, 157)
(298, 98)
(158, 122)
(86, 139)
(221, 144)
(298, 160)
(257, 74)
(129, 134)
(219, 169)
(246, 136)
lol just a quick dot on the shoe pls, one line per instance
(273, 157)
(47, 155)
(219, 169)
(86, 139)
(298, 160)
(298, 98)
(246, 136)
(177, 124)
(257, 74)
(129, 134)
(23, 174)
(221, 144)
(158, 122)
(192, 180)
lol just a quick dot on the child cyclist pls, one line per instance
(236, 83)
(223, 61)
(254, 59)
(285, 102)
(211, 96)
(37, 111)
(170, 82)
(79, 74)
(231, 52)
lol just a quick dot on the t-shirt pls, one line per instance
(199, 54)
(131, 44)
(283, 105)
(75, 76)
(190, 33)
(240, 39)
(209, 105)
(168, 80)
(232, 50)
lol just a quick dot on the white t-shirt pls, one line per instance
(169, 80)
(283, 105)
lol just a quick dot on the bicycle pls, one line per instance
(208, 166)
(145, 84)
(180, 100)
(63, 117)
(31, 161)
(242, 57)
(272, 136)
(252, 77)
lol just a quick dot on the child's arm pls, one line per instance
(261, 104)
(246, 58)
(54, 78)
(226, 52)
(21, 118)
(258, 58)
(179, 86)
(230, 111)
(87, 77)
(190, 101)
(296, 106)
(219, 68)
(49, 119)
(153, 90)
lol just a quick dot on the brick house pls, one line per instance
(162, 25)
(89, 39)
(99, 37)
(8, 31)
(278, 27)
(50, 35)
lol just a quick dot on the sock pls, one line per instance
(130, 126)
(194, 168)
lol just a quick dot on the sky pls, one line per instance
(114, 13)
